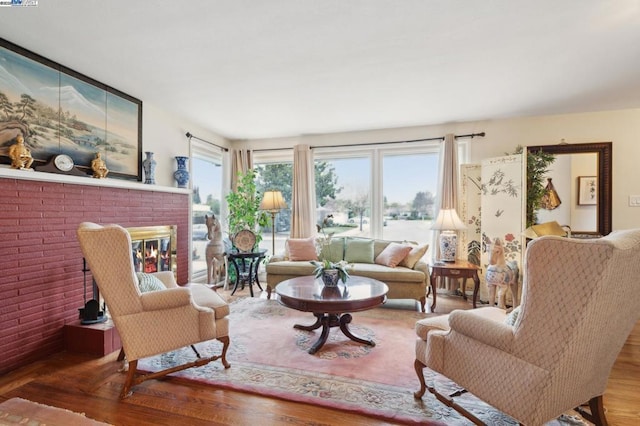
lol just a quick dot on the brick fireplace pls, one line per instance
(41, 283)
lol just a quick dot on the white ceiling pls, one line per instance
(259, 68)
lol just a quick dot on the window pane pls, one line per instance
(343, 190)
(276, 177)
(409, 187)
(207, 187)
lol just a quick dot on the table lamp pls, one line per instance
(273, 202)
(448, 222)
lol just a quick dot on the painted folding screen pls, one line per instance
(503, 206)
(469, 211)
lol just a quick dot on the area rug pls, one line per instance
(269, 357)
(18, 411)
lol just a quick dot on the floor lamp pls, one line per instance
(273, 202)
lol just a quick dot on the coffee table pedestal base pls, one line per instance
(326, 321)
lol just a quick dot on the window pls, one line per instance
(377, 191)
(206, 172)
(343, 192)
(274, 172)
(409, 187)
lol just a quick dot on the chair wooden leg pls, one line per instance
(225, 347)
(419, 367)
(134, 378)
(596, 416)
(126, 389)
(121, 355)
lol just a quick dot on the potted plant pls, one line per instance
(244, 207)
(330, 272)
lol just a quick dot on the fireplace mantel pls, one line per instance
(7, 172)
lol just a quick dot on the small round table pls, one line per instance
(246, 265)
(330, 304)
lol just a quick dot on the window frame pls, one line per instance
(214, 154)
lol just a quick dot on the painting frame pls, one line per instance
(61, 111)
(587, 190)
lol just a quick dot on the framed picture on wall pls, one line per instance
(60, 111)
(587, 190)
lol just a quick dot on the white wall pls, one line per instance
(164, 135)
(621, 127)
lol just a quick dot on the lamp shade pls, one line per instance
(272, 201)
(447, 220)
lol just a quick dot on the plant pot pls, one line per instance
(330, 277)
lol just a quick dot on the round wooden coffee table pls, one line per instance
(330, 305)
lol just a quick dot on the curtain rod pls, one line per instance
(441, 138)
(191, 135)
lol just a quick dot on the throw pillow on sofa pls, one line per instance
(416, 253)
(148, 282)
(359, 250)
(302, 249)
(393, 254)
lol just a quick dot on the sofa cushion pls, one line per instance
(302, 249)
(290, 267)
(334, 251)
(386, 274)
(393, 254)
(359, 250)
(416, 253)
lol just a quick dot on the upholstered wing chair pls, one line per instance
(580, 302)
(154, 322)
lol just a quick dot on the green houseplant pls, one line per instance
(330, 272)
(537, 167)
(244, 207)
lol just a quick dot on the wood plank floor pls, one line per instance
(90, 385)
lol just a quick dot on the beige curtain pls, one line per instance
(241, 162)
(448, 190)
(303, 197)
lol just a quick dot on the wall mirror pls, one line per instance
(578, 169)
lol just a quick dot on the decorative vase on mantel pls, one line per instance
(182, 174)
(149, 167)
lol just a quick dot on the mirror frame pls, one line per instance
(604, 153)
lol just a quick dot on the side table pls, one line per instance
(458, 269)
(246, 265)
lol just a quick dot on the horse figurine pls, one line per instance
(501, 274)
(215, 251)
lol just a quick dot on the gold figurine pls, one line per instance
(99, 167)
(20, 155)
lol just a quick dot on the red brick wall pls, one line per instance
(41, 279)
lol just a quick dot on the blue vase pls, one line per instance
(182, 174)
(149, 166)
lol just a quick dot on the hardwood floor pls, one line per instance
(83, 383)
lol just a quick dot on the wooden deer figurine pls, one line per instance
(501, 275)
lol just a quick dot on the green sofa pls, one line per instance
(404, 282)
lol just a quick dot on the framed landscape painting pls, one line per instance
(60, 111)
